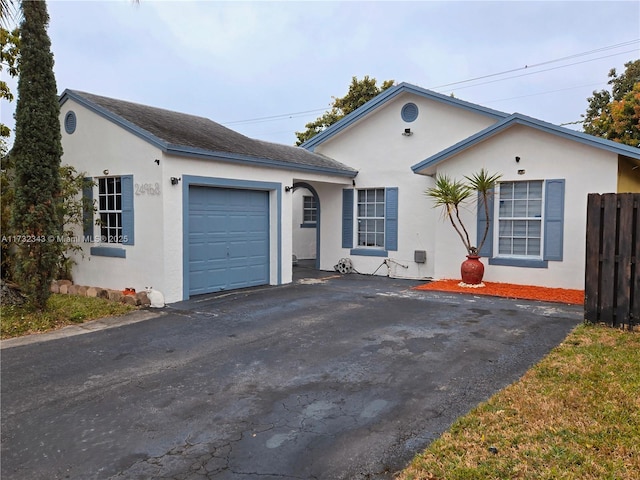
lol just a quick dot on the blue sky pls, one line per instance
(239, 62)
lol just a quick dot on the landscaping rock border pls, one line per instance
(67, 287)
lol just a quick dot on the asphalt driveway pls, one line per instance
(341, 377)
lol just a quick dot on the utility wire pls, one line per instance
(576, 55)
(542, 71)
(526, 67)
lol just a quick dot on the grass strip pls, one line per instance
(574, 415)
(61, 310)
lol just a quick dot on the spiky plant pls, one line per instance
(451, 194)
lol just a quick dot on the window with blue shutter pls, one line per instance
(115, 209)
(375, 220)
(526, 235)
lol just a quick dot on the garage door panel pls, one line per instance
(228, 239)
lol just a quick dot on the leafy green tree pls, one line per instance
(10, 48)
(360, 92)
(37, 149)
(615, 115)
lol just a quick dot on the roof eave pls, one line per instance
(388, 95)
(193, 152)
(117, 119)
(426, 166)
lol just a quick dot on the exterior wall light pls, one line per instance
(407, 132)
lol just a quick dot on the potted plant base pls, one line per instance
(472, 270)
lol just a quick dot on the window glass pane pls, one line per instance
(118, 185)
(111, 202)
(520, 190)
(519, 208)
(102, 185)
(371, 240)
(102, 203)
(506, 208)
(519, 246)
(534, 228)
(380, 240)
(505, 228)
(506, 190)
(504, 246)
(533, 247)
(520, 228)
(535, 189)
(380, 195)
(535, 208)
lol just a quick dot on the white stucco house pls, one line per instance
(190, 207)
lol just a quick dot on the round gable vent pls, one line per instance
(70, 122)
(409, 112)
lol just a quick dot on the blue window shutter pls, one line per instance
(553, 219)
(127, 209)
(391, 219)
(87, 208)
(347, 218)
(487, 248)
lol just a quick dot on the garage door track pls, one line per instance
(332, 377)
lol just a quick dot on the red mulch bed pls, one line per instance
(509, 290)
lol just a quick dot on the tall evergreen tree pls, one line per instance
(36, 152)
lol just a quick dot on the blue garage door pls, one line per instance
(228, 239)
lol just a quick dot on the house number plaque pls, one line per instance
(147, 188)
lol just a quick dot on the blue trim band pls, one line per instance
(519, 119)
(388, 95)
(519, 262)
(366, 252)
(108, 252)
(307, 225)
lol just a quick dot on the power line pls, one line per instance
(274, 117)
(526, 67)
(545, 70)
(543, 93)
(575, 55)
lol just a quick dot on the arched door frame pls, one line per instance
(297, 185)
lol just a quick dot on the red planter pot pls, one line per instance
(472, 270)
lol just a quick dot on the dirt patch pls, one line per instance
(509, 290)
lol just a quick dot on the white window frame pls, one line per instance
(497, 229)
(379, 207)
(311, 210)
(110, 209)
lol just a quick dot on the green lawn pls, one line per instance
(61, 310)
(575, 415)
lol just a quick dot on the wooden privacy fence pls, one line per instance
(612, 270)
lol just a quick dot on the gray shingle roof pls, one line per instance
(181, 131)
